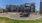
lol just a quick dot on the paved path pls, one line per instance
(17, 16)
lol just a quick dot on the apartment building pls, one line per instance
(32, 7)
(11, 8)
(26, 6)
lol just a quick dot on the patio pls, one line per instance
(17, 16)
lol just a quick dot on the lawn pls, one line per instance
(8, 20)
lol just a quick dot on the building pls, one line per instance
(32, 7)
(4, 10)
(26, 6)
(8, 8)
(11, 8)
(29, 6)
(1, 10)
(40, 6)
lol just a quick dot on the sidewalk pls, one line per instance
(17, 16)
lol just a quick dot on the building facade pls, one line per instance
(40, 6)
(32, 7)
(1, 10)
(11, 8)
(26, 6)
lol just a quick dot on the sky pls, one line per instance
(3, 3)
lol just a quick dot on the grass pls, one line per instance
(8, 20)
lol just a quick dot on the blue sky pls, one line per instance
(3, 3)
